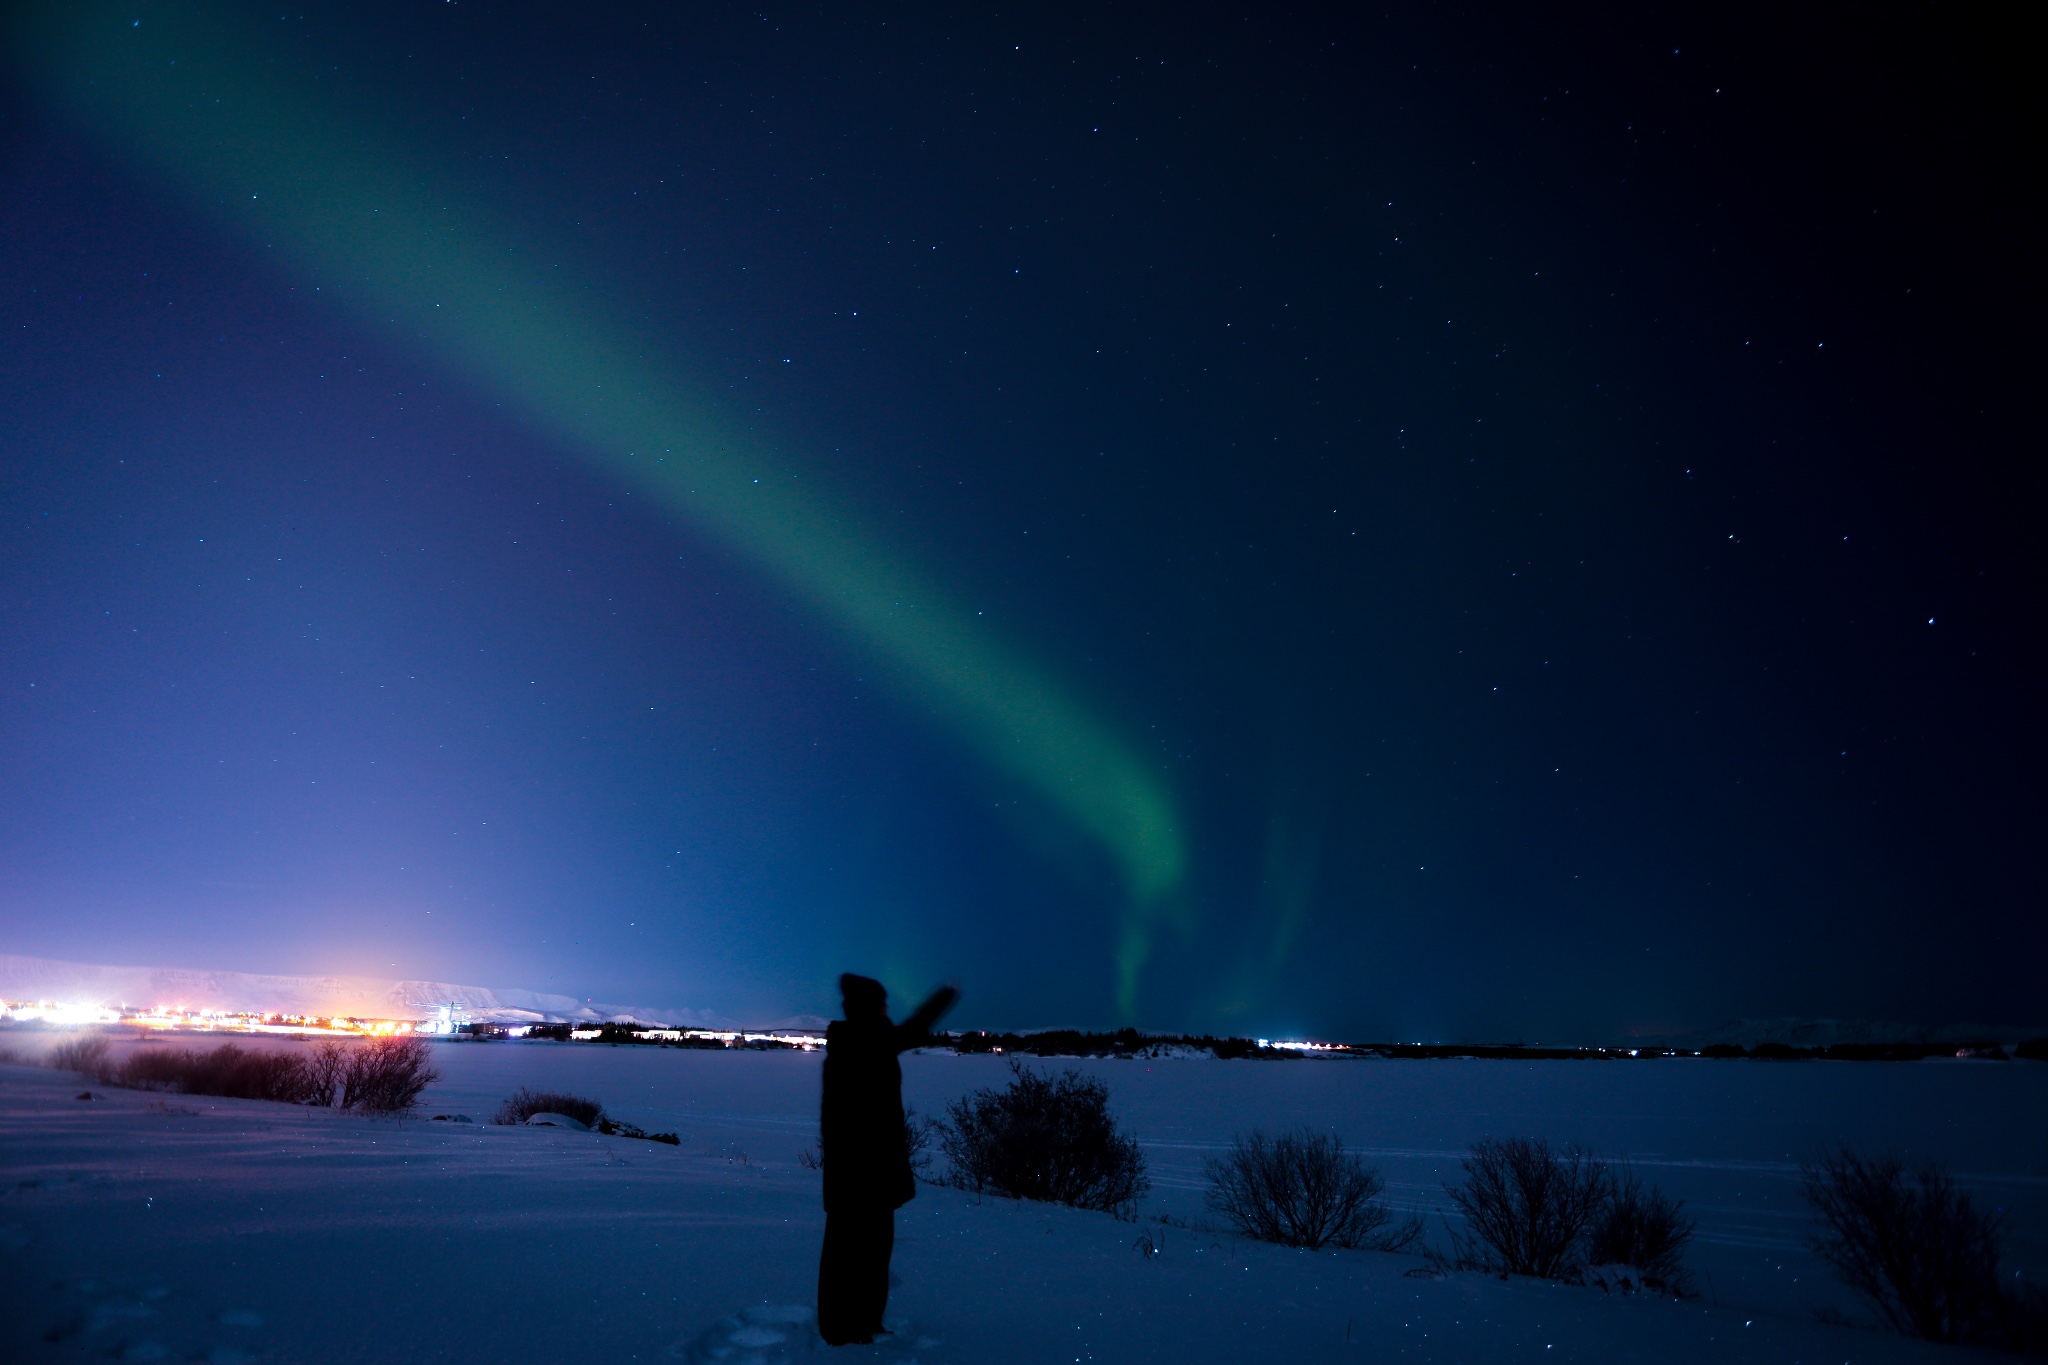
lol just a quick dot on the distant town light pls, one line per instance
(1290, 1045)
(442, 1020)
(67, 1014)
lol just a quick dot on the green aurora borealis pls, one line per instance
(373, 227)
(1372, 523)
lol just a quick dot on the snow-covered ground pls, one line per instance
(163, 1227)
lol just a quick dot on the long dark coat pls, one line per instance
(867, 1160)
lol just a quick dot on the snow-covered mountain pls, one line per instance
(84, 983)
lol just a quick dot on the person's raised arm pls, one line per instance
(914, 1031)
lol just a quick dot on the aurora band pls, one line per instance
(203, 107)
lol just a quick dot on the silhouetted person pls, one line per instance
(867, 1155)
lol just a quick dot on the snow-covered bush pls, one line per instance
(522, 1104)
(386, 1075)
(1302, 1189)
(1528, 1207)
(1917, 1248)
(1040, 1138)
(1643, 1227)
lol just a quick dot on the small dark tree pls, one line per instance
(1641, 1226)
(1528, 1207)
(1044, 1139)
(1302, 1190)
(1917, 1248)
(522, 1104)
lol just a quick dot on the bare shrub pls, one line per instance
(325, 1069)
(633, 1130)
(158, 1069)
(918, 1132)
(382, 1075)
(1049, 1139)
(1641, 1226)
(1302, 1190)
(227, 1070)
(1916, 1247)
(1528, 1207)
(386, 1075)
(2024, 1318)
(522, 1104)
(90, 1056)
(615, 1128)
(260, 1075)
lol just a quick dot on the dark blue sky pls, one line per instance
(1542, 501)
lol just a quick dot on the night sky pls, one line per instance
(1460, 524)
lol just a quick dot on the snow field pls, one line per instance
(144, 1227)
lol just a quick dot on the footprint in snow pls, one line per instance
(772, 1333)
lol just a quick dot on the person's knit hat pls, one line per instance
(862, 994)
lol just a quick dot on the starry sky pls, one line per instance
(1452, 524)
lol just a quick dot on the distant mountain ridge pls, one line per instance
(1821, 1033)
(83, 983)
